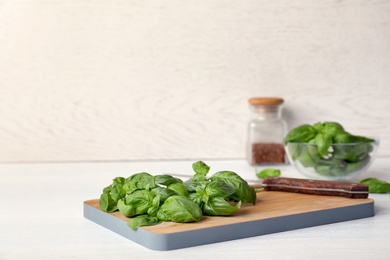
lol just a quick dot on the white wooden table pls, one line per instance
(41, 217)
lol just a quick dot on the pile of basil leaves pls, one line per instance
(323, 152)
(150, 199)
(333, 160)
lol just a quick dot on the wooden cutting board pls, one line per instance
(273, 212)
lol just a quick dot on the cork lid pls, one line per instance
(268, 101)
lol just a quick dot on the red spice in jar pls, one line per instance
(268, 153)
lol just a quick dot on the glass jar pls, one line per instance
(266, 131)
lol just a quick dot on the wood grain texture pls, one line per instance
(141, 80)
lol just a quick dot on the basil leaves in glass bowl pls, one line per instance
(326, 151)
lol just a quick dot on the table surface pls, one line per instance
(41, 217)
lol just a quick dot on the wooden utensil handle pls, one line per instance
(316, 187)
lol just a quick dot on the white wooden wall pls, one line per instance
(85, 80)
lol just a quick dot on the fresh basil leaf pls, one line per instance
(166, 179)
(117, 192)
(136, 203)
(139, 181)
(323, 142)
(318, 126)
(111, 194)
(179, 209)
(200, 168)
(295, 150)
(338, 169)
(191, 184)
(345, 137)
(376, 186)
(106, 203)
(118, 180)
(268, 173)
(242, 191)
(353, 166)
(309, 156)
(323, 169)
(219, 189)
(179, 188)
(152, 211)
(126, 210)
(217, 206)
(345, 152)
(163, 193)
(302, 133)
(143, 220)
(332, 128)
(197, 198)
(342, 138)
(362, 139)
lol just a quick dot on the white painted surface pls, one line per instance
(146, 80)
(42, 218)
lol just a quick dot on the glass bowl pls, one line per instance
(345, 161)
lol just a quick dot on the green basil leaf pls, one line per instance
(111, 194)
(118, 180)
(107, 189)
(200, 190)
(362, 139)
(302, 133)
(318, 126)
(166, 179)
(376, 186)
(117, 192)
(197, 198)
(345, 152)
(106, 203)
(191, 184)
(322, 169)
(136, 203)
(339, 169)
(345, 137)
(242, 191)
(309, 155)
(323, 142)
(179, 188)
(217, 206)
(152, 211)
(295, 150)
(354, 166)
(126, 210)
(179, 209)
(219, 189)
(332, 129)
(352, 153)
(163, 193)
(139, 181)
(268, 173)
(143, 220)
(342, 138)
(200, 168)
